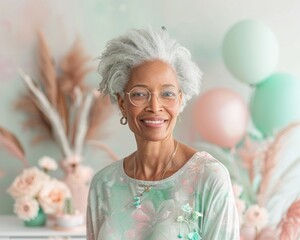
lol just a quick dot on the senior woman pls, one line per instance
(165, 189)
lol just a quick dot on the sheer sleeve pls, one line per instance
(220, 218)
(94, 216)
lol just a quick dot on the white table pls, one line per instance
(13, 228)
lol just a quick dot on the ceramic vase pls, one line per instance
(38, 221)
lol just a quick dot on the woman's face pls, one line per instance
(154, 120)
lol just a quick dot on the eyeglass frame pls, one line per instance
(128, 93)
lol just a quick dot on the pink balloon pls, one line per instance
(221, 117)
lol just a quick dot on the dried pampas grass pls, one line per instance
(270, 161)
(74, 69)
(47, 70)
(36, 118)
(61, 103)
(290, 224)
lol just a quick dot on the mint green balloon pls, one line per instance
(275, 103)
(250, 51)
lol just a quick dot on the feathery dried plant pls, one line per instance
(61, 104)
(13, 145)
(290, 224)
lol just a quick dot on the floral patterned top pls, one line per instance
(196, 202)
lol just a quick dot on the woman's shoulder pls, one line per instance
(107, 173)
(211, 168)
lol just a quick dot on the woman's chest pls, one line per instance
(137, 212)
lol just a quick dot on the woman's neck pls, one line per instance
(153, 159)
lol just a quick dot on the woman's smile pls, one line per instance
(153, 122)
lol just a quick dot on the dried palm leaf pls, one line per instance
(51, 113)
(74, 69)
(74, 110)
(13, 145)
(62, 108)
(36, 118)
(100, 111)
(47, 69)
(56, 106)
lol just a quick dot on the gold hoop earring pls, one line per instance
(123, 120)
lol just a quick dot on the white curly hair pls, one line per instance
(137, 46)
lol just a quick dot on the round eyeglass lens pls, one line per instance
(140, 96)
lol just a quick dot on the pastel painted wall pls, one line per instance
(199, 25)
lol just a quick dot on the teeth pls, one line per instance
(153, 122)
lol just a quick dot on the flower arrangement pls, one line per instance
(265, 184)
(62, 108)
(67, 111)
(34, 188)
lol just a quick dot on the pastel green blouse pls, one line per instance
(196, 202)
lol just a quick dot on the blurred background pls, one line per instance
(201, 26)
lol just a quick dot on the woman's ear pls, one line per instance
(121, 104)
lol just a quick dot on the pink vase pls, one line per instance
(79, 191)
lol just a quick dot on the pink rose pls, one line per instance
(256, 217)
(26, 208)
(28, 183)
(53, 195)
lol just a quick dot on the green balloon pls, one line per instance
(275, 103)
(250, 51)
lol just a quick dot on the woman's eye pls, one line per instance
(139, 94)
(168, 94)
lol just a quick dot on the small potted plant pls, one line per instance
(70, 218)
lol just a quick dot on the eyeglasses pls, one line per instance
(140, 96)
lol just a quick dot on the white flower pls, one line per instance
(26, 208)
(28, 183)
(256, 217)
(53, 196)
(47, 163)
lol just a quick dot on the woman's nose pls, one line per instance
(154, 103)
